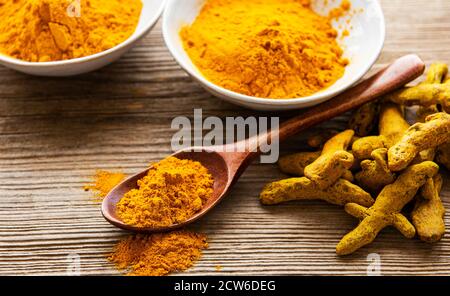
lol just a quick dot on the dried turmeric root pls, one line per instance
(392, 126)
(392, 123)
(329, 168)
(334, 161)
(375, 174)
(386, 209)
(423, 112)
(319, 139)
(421, 136)
(295, 164)
(363, 148)
(340, 141)
(436, 73)
(423, 95)
(443, 155)
(433, 91)
(428, 213)
(364, 119)
(348, 175)
(340, 193)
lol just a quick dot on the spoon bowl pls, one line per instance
(210, 159)
(227, 163)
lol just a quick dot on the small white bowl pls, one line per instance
(362, 47)
(151, 11)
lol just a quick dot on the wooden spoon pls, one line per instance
(227, 167)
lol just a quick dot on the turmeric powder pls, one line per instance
(158, 254)
(341, 10)
(172, 192)
(103, 183)
(277, 49)
(51, 30)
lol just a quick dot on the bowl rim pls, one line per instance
(132, 39)
(315, 98)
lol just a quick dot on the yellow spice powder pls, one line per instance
(266, 48)
(341, 10)
(172, 192)
(103, 183)
(158, 254)
(51, 30)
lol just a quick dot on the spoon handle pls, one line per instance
(394, 76)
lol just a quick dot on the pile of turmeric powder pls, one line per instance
(276, 49)
(172, 192)
(158, 254)
(51, 30)
(103, 183)
(391, 169)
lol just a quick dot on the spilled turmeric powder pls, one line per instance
(51, 30)
(172, 192)
(158, 254)
(341, 10)
(103, 182)
(276, 49)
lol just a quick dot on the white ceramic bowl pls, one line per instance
(362, 47)
(151, 11)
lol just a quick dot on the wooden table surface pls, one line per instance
(54, 134)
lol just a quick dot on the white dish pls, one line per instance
(362, 47)
(151, 11)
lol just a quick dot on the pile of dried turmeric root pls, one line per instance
(398, 166)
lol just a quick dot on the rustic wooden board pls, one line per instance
(54, 133)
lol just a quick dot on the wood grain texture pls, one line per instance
(54, 133)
